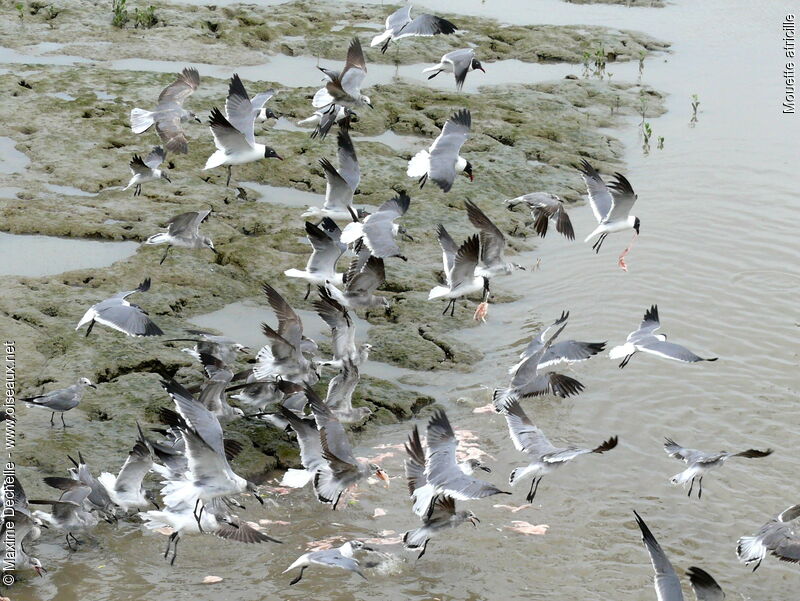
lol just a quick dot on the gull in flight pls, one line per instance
(493, 243)
(611, 205)
(779, 536)
(117, 313)
(327, 248)
(361, 281)
(379, 230)
(169, 113)
(566, 351)
(442, 161)
(341, 184)
(460, 264)
(68, 513)
(184, 230)
(146, 170)
(343, 332)
(544, 208)
(234, 136)
(699, 463)
(458, 62)
(340, 557)
(644, 339)
(125, 489)
(441, 516)
(544, 456)
(62, 400)
(667, 583)
(344, 88)
(400, 25)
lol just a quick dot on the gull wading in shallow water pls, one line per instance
(458, 62)
(146, 170)
(644, 339)
(611, 205)
(400, 25)
(700, 463)
(340, 557)
(442, 161)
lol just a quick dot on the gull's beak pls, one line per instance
(279, 157)
(258, 498)
(198, 119)
(366, 548)
(471, 177)
(482, 69)
(92, 386)
(485, 469)
(474, 520)
(407, 236)
(40, 571)
(214, 250)
(154, 504)
(245, 349)
(166, 177)
(369, 104)
(523, 268)
(383, 476)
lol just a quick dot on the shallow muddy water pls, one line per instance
(718, 253)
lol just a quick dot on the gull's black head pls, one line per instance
(269, 153)
(468, 171)
(476, 64)
(636, 224)
(270, 114)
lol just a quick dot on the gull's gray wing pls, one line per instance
(139, 167)
(155, 158)
(199, 419)
(326, 248)
(378, 228)
(58, 400)
(527, 438)
(336, 448)
(399, 18)
(667, 583)
(676, 451)
(527, 369)
(168, 127)
(307, 438)
(449, 248)
(670, 350)
(135, 468)
(179, 90)
(546, 206)
(237, 530)
(240, 111)
(461, 61)
(187, 223)
(338, 193)
(493, 242)
(342, 386)
(129, 319)
(366, 281)
(623, 198)
(444, 150)
(441, 468)
(227, 138)
(349, 170)
(704, 586)
(354, 72)
(599, 195)
(566, 454)
(425, 25)
(538, 344)
(650, 324)
(465, 261)
(260, 99)
(415, 462)
(290, 327)
(570, 351)
(333, 558)
(339, 321)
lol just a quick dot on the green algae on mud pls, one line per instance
(553, 123)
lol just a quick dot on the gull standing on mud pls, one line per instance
(339, 557)
(146, 170)
(379, 229)
(492, 242)
(169, 113)
(544, 456)
(341, 184)
(184, 230)
(344, 88)
(779, 536)
(442, 161)
(62, 400)
(460, 264)
(545, 207)
(700, 463)
(400, 25)
(644, 339)
(458, 62)
(611, 205)
(234, 136)
(327, 248)
(117, 313)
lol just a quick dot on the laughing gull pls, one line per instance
(126, 489)
(327, 248)
(20, 528)
(459, 270)
(442, 161)
(340, 557)
(442, 515)
(216, 520)
(566, 351)
(526, 381)
(234, 136)
(699, 463)
(67, 513)
(220, 347)
(644, 339)
(342, 470)
(667, 583)
(146, 170)
(458, 62)
(213, 390)
(545, 457)
(340, 395)
(779, 536)
(343, 331)
(62, 400)
(704, 586)
(324, 119)
(379, 229)
(210, 476)
(420, 490)
(344, 88)
(184, 230)
(308, 440)
(98, 498)
(400, 25)
(493, 243)
(117, 313)
(611, 205)
(545, 207)
(360, 284)
(284, 354)
(169, 113)
(341, 184)
(441, 468)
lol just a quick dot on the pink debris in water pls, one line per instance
(513, 508)
(211, 579)
(378, 513)
(481, 312)
(380, 447)
(485, 409)
(325, 543)
(527, 528)
(266, 522)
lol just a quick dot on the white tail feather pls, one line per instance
(419, 164)
(159, 238)
(215, 160)
(750, 549)
(296, 478)
(438, 292)
(141, 120)
(618, 352)
(380, 38)
(352, 232)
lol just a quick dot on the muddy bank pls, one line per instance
(525, 138)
